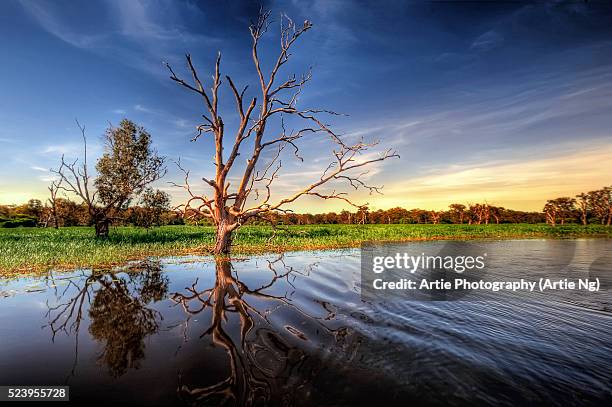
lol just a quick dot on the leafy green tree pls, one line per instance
(155, 204)
(600, 201)
(582, 202)
(457, 212)
(559, 210)
(129, 164)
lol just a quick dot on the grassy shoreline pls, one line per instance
(25, 250)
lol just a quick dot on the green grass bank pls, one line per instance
(36, 249)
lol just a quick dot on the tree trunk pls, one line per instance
(102, 227)
(54, 214)
(223, 242)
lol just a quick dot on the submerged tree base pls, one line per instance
(34, 249)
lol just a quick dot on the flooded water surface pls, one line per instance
(295, 330)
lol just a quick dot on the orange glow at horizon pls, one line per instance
(521, 185)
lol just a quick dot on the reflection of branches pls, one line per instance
(250, 381)
(118, 310)
(67, 316)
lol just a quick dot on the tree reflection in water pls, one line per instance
(120, 317)
(259, 329)
(261, 361)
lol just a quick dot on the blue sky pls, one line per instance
(508, 102)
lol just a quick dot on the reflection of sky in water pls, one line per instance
(296, 327)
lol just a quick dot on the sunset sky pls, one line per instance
(509, 103)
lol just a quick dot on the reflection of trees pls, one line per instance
(260, 359)
(119, 313)
(121, 320)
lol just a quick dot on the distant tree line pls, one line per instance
(590, 207)
(69, 213)
(21, 215)
(457, 213)
(153, 209)
(120, 194)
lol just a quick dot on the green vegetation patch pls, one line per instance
(38, 249)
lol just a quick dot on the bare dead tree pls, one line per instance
(583, 205)
(75, 179)
(479, 213)
(252, 197)
(496, 213)
(551, 211)
(600, 202)
(53, 190)
(435, 216)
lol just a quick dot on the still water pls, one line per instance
(294, 330)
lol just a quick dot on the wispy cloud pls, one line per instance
(60, 148)
(498, 115)
(179, 123)
(182, 123)
(47, 178)
(141, 34)
(51, 21)
(141, 108)
(487, 41)
(71, 150)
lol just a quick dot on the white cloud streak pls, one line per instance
(142, 35)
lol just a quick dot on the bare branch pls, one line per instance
(196, 205)
(228, 208)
